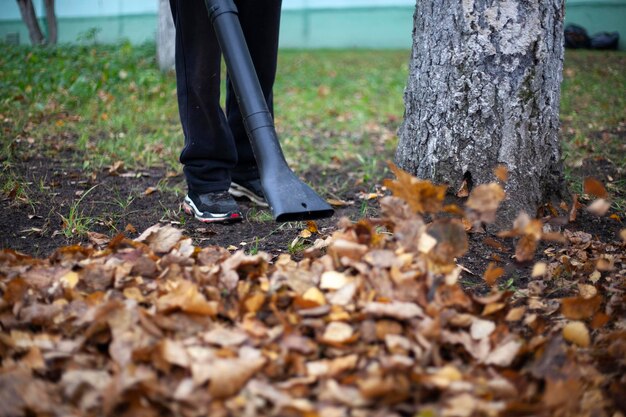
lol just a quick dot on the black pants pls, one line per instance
(216, 144)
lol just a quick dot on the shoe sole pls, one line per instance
(238, 191)
(191, 210)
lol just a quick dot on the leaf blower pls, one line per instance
(289, 198)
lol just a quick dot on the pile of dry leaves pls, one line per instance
(372, 322)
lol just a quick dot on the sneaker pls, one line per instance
(212, 207)
(249, 189)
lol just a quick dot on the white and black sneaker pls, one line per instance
(218, 207)
(251, 190)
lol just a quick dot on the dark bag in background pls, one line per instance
(605, 40)
(576, 37)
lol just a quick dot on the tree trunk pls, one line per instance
(483, 91)
(166, 37)
(51, 20)
(27, 10)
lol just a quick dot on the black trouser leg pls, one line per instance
(215, 143)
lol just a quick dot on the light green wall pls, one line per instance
(599, 16)
(364, 27)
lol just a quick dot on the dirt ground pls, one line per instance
(127, 201)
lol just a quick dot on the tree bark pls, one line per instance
(484, 90)
(27, 10)
(166, 37)
(51, 20)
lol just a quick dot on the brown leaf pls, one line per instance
(595, 188)
(599, 207)
(228, 376)
(492, 273)
(525, 248)
(463, 190)
(504, 354)
(223, 337)
(186, 297)
(421, 195)
(451, 241)
(160, 239)
(338, 332)
(484, 200)
(580, 308)
(396, 310)
(501, 172)
(573, 213)
(98, 239)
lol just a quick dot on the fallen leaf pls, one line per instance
(338, 332)
(595, 188)
(599, 207)
(315, 296)
(396, 309)
(481, 328)
(150, 190)
(577, 333)
(504, 354)
(333, 280)
(539, 270)
(159, 238)
(186, 297)
(98, 239)
(339, 203)
(228, 376)
(580, 308)
(463, 190)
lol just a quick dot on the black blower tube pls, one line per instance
(289, 198)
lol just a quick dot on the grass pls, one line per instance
(593, 106)
(334, 109)
(76, 223)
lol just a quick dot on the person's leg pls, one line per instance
(260, 22)
(209, 153)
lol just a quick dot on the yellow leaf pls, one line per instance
(539, 270)
(577, 333)
(70, 279)
(314, 295)
(133, 293)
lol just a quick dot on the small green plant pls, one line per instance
(297, 246)
(508, 285)
(253, 249)
(258, 215)
(76, 223)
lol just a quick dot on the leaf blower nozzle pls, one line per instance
(289, 198)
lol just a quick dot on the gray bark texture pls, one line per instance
(483, 90)
(166, 37)
(51, 20)
(27, 10)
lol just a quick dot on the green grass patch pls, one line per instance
(593, 106)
